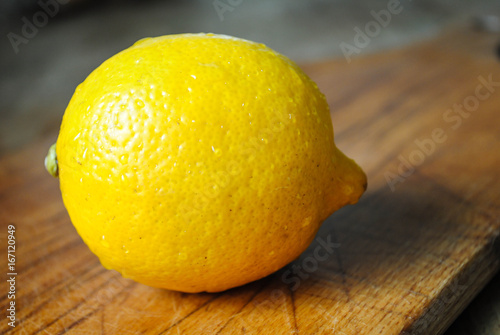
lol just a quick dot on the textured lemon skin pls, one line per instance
(200, 162)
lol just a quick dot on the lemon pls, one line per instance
(200, 162)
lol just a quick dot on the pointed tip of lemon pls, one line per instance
(349, 182)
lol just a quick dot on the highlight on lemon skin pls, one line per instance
(145, 149)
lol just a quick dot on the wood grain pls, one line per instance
(402, 261)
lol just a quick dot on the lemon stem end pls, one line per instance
(51, 162)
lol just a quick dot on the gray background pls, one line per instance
(37, 82)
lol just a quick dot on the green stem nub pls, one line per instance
(51, 161)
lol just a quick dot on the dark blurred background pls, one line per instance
(41, 67)
(49, 46)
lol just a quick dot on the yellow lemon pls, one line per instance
(200, 162)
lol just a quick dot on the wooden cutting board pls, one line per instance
(405, 260)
